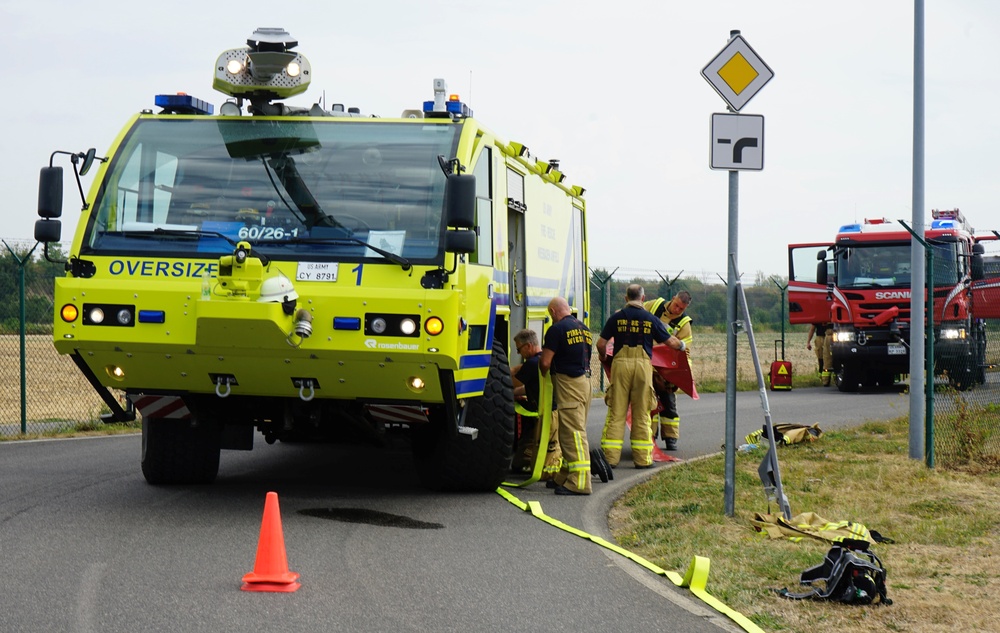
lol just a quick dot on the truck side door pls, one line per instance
(808, 298)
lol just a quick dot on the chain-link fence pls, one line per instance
(44, 391)
(776, 340)
(964, 417)
(964, 422)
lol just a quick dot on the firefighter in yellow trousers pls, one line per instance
(678, 323)
(824, 349)
(566, 352)
(634, 331)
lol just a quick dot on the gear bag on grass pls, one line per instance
(787, 433)
(852, 576)
(810, 524)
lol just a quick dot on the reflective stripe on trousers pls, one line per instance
(573, 396)
(631, 385)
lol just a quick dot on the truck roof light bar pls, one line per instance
(182, 103)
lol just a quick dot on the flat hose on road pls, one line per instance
(695, 579)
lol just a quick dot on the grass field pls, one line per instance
(708, 360)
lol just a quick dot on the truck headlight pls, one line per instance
(953, 333)
(107, 314)
(844, 336)
(407, 326)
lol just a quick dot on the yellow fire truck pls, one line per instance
(311, 273)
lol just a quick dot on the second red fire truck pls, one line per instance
(861, 283)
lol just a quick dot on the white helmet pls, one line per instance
(277, 289)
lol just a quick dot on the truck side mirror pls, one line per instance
(460, 201)
(976, 268)
(462, 242)
(48, 231)
(50, 192)
(88, 161)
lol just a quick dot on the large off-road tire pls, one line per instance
(446, 461)
(961, 374)
(877, 379)
(979, 353)
(846, 378)
(178, 452)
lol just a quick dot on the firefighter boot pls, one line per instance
(670, 431)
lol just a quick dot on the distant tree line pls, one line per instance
(708, 308)
(767, 302)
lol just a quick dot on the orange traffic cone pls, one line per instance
(270, 570)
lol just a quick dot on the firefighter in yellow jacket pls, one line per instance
(634, 331)
(678, 323)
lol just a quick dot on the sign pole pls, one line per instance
(918, 347)
(737, 143)
(732, 248)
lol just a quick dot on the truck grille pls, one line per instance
(870, 310)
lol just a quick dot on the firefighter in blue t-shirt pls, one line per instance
(566, 352)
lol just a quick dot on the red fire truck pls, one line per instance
(861, 284)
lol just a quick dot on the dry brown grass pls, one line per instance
(708, 355)
(55, 388)
(708, 358)
(941, 568)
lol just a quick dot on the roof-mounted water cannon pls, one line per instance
(264, 70)
(445, 105)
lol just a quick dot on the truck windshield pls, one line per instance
(322, 188)
(888, 265)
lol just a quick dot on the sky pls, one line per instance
(615, 92)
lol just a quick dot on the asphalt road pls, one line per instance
(86, 545)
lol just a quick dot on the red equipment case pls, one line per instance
(781, 371)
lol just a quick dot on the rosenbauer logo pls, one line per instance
(371, 343)
(895, 294)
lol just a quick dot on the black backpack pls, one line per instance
(852, 574)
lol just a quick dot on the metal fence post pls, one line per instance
(24, 324)
(928, 348)
(929, 352)
(782, 295)
(605, 305)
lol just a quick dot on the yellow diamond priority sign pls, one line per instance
(737, 73)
